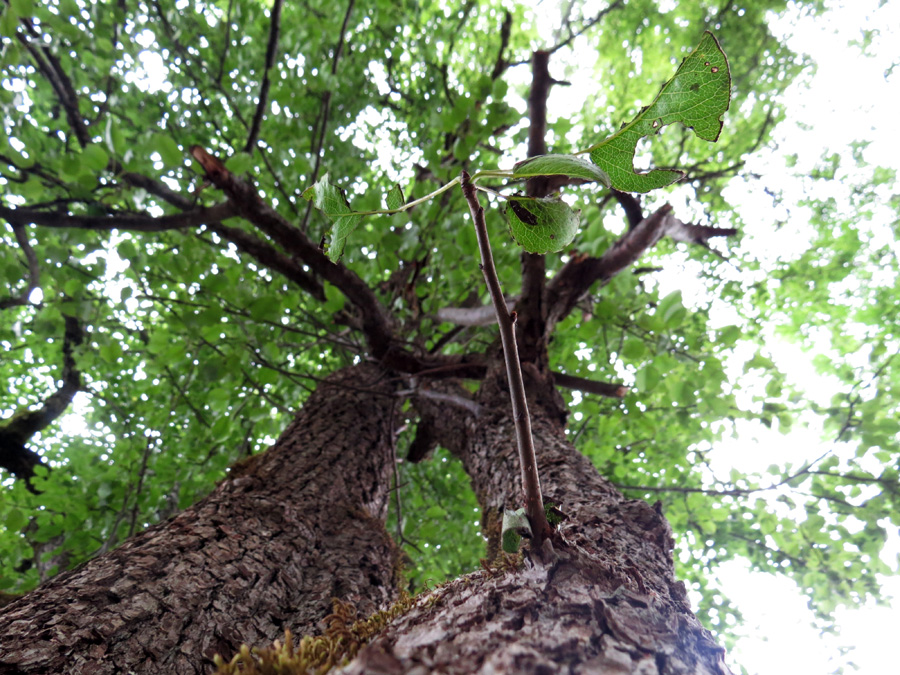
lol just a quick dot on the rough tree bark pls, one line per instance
(606, 601)
(289, 530)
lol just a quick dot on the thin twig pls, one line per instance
(135, 508)
(274, 29)
(458, 401)
(531, 485)
(226, 43)
(326, 107)
(396, 489)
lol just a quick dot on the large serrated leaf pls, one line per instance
(543, 225)
(560, 165)
(331, 200)
(697, 96)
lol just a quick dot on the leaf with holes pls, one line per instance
(331, 200)
(697, 96)
(542, 225)
(560, 165)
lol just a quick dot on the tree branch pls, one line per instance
(52, 70)
(267, 255)
(505, 29)
(581, 272)
(377, 323)
(472, 316)
(534, 267)
(14, 456)
(608, 389)
(326, 108)
(226, 43)
(632, 207)
(590, 23)
(587, 25)
(34, 270)
(274, 28)
(531, 485)
(451, 399)
(130, 222)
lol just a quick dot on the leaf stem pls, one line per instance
(498, 173)
(531, 485)
(409, 205)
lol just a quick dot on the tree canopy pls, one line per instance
(191, 329)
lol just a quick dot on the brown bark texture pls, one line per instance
(604, 600)
(286, 532)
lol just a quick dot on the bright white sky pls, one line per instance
(849, 98)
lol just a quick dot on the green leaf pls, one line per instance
(94, 158)
(334, 299)
(111, 352)
(394, 198)
(239, 162)
(266, 308)
(331, 200)
(73, 287)
(671, 309)
(647, 378)
(634, 349)
(168, 149)
(697, 96)
(23, 7)
(9, 22)
(15, 520)
(560, 165)
(435, 512)
(544, 225)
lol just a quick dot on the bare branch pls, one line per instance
(581, 272)
(531, 485)
(587, 25)
(154, 187)
(472, 316)
(608, 389)
(226, 43)
(632, 206)
(274, 28)
(452, 399)
(129, 221)
(505, 29)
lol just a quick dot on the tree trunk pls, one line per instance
(289, 530)
(605, 600)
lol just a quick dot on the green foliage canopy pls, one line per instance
(195, 353)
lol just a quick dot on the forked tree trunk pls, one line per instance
(605, 601)
(273, 544)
